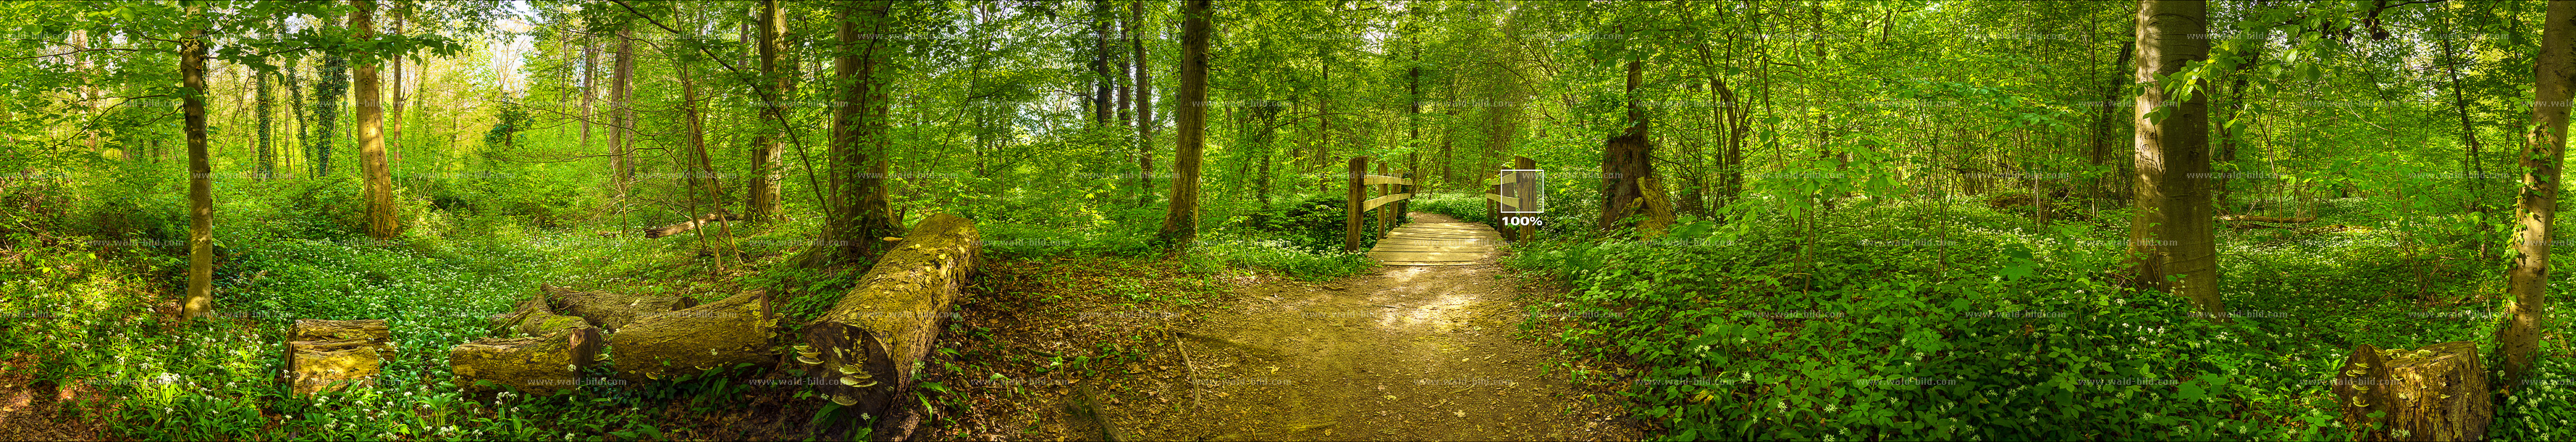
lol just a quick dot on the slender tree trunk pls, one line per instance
(394, 114)
(382, 221)
(267, 128)
(2472, 171)
(1181, 221)
(2170, 235)
(326, 109)
(2544, 149)
(589, 86)
(295, 106)
(1144, 106)
(767, 150)
(620, 115)
(201, 180)
(1100, 78)
(701, 175)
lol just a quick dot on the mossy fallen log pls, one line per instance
(542, 364)
(735, 330)
(864, 348)
(690, 224)
(610, 311)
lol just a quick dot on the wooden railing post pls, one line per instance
(1351, 216)
(1528, 199)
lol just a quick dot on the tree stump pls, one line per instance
(2438, 392)
(610, 311)
(547, 363)
(867, 343)
(329, 355)
(731, 331)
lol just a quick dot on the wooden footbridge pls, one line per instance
(1417, 243)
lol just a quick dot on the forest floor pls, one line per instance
(1407, 352)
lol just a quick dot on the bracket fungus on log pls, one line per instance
(868, 343)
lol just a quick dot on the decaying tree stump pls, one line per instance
(545, 363)
(722, 333)
(329, 355)
(2438, 392)
(869, 341)
(610, 311)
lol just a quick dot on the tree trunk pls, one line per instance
(333, 87)
(874, 337)
(1181, 221)
(620, 115)
(765, 204)
(267, 166)
(859, 214)
(1100, 77)
(394, 115)
(2101, 153)
(1626, 161)
(2544, 148)
(201, 182)
(589, 86)
(382, 220)
(295, 107)
(701, 173)
(542, 364)
(1144, 107)
(2170, 235)
(735, 330)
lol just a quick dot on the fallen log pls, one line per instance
(2266, 219)
(692, 223)
(2438, 392)
(610, 311)
(865, 346)
(547, 363)
(533, 318)
(735, 330)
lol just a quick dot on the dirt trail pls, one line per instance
(1410, 353)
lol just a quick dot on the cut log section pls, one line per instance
(329, 355)
(610, 311)
(547, 363)
(373, 331)
(2438, 392)
(731, 331)
(868, 343)
(692, 223)
(316, 366)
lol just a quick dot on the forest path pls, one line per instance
(1409, 353)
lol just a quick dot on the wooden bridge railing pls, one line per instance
(1507, 193)
(1389, 189)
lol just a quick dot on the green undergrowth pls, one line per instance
(1924, 320)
